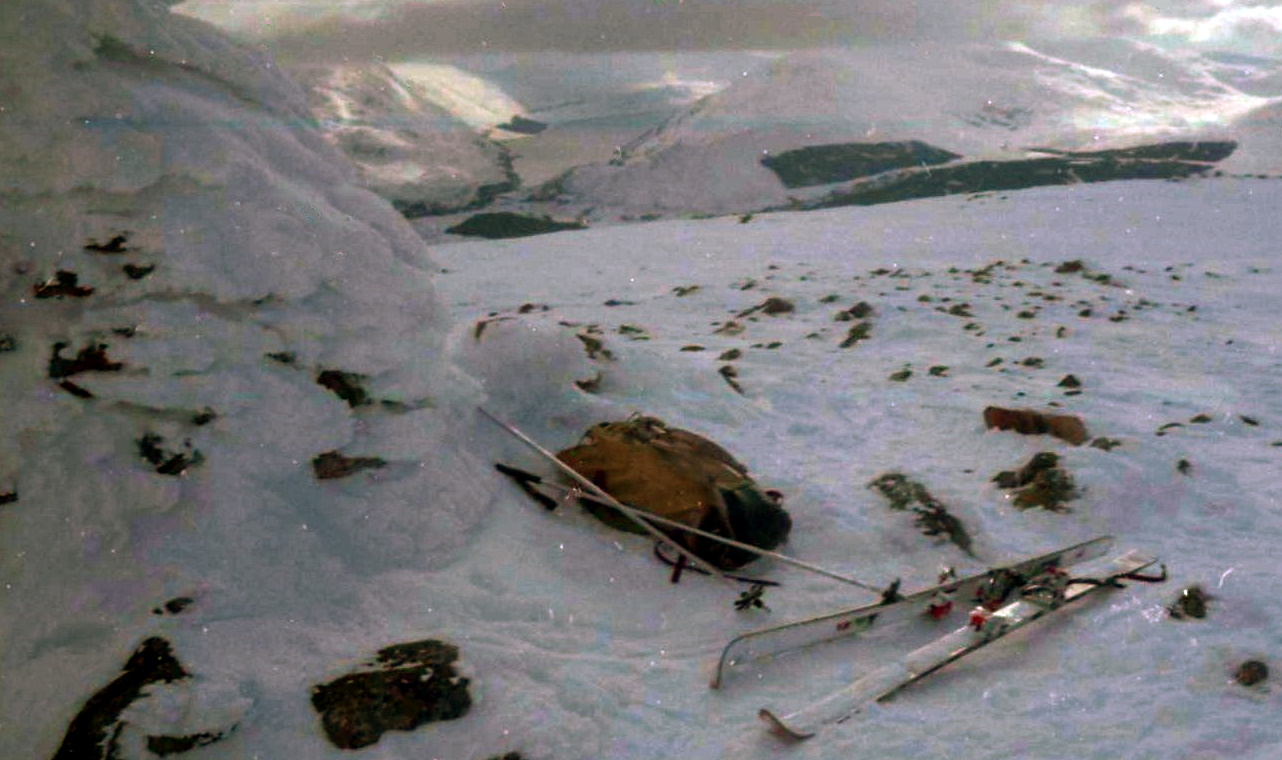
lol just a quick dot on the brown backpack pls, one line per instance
(676, 474)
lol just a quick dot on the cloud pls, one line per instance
(409, 29)
(1244, 27)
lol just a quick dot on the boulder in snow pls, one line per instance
(406, 686)
(1065, 427)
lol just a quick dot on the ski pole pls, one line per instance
(636, 515)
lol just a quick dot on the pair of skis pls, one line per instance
(768, 642)
(888, 680)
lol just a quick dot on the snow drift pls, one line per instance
(181, 258)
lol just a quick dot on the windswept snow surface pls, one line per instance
(271, 265)
(1178, 282)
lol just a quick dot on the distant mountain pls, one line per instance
(981, 102)
(406, 147)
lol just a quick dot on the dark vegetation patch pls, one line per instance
(825, 164)
(1174, 160)
(505, 224)
(858, 332)
(730, 374)
(772, 306)
(930, 515)
(1041, 482)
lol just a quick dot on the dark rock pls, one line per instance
(64, 284)
(332, 465)
(163, 746)
(8, 343)
(1029, 422)
(91, 358)
(174, 606)
(345, 385)
(406, 686)
(94, 732)
(167, 463)
(1190, 604)
(523, 126)
(284, 357)
(505, 224)
(137, 271)
(826, 164)
(1251, 673)
(75, 390)
(1070, 381)
(772, 306)
(115, 245)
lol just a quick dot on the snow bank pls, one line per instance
(201, 255)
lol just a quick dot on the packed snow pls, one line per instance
(225, 257)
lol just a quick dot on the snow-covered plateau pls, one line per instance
(241, 439)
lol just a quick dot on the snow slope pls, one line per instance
(981, 101)
(1170, 329)
(406, 147)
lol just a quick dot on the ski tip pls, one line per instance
(777, 727)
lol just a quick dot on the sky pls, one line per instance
(407, 30)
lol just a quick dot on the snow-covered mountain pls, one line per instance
(470, 98)
(979, 101)
(407, 147)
